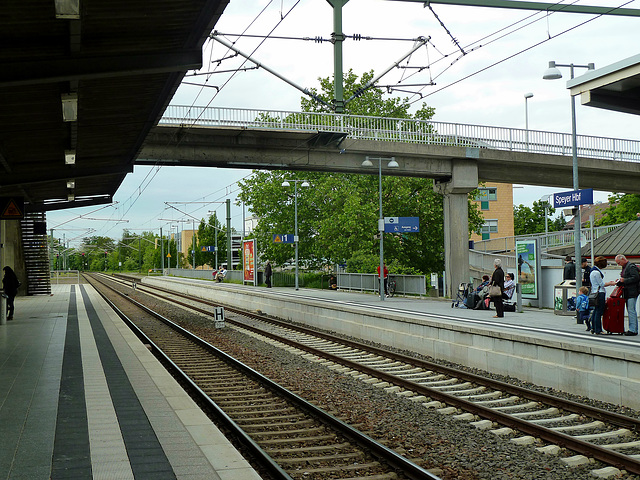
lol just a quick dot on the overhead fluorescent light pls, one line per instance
(69, 107)
(69, 9)
(70, 157)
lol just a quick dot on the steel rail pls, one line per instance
(608, 456)
(408, 468)
(266, 461)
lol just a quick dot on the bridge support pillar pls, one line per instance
(463, 180)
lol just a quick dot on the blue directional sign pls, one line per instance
(208, 248)
(401, 224)
(283, 238)
(573, 198)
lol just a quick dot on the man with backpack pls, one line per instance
(628, 280)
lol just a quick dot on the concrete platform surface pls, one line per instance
(81, 397)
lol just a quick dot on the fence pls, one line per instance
(65, 276)
(407, 130)
(369, 282)
(547, 240)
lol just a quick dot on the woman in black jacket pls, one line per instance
(498, 279)
(10, 286)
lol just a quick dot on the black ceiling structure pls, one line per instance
(114, 65)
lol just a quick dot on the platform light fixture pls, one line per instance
(553, 73)
(69, 107)
(70, 157)
(527, 96)
(392, 164)
(71, 183)
(303, 183)
(67, 9)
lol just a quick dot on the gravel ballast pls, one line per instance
(452, 449)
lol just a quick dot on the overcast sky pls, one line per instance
(500, 55)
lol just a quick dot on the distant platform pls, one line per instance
(537, 345)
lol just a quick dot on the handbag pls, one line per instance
(593, 298)
(494, 291)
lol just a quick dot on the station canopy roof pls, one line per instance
(614, 87)
(82, 82)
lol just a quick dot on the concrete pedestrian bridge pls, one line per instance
(244, 138)
(456, 156)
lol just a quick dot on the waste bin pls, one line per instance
(564, 298)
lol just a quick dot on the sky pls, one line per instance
(476, 69)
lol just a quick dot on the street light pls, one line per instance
(527, 96)
(303, 183)
(552, 73)
(392, 164)
(546, 199)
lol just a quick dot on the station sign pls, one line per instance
(401, 224)
(283, 238)
(573, 198)
(208, 248)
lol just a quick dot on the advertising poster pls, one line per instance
(527, 261)
(249, 261)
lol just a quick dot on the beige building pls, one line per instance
(496, 205)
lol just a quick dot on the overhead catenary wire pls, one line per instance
(504, 59)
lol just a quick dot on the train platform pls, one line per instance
(82, 397)
(536, 346)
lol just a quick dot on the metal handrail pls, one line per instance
(551, 239)
(406, 130)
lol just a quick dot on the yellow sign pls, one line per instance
(168, 255)
(277, 239)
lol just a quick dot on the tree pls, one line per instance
(207, 233)
(622, 208)
(527, 221)
(338, 214)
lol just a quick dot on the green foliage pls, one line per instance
(338, 214)
(622, 208)
(369, 103)
(527, 221)
(211, 233)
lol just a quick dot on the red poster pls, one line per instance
(249, 260)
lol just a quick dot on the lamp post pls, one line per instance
(392, 164)
(303, 183)
(527, 96)
(552, 73)
(546, 199)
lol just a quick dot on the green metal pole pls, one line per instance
(229, 252)
(338, 38)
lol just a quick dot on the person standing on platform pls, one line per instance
(10, 286)
(267, 274)
(497, 279)
(583, 311)
(386, 278)
(597, 284)
(628, 280)
(569, 269)
(586, 272)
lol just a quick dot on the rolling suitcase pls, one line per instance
(613, 317)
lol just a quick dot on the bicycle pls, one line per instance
(391, 286)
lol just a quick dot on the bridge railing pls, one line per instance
(549, 240)
(407, 130)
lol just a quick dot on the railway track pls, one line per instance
(293, 437)
(527, 416)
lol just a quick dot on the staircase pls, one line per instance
(36, 253)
